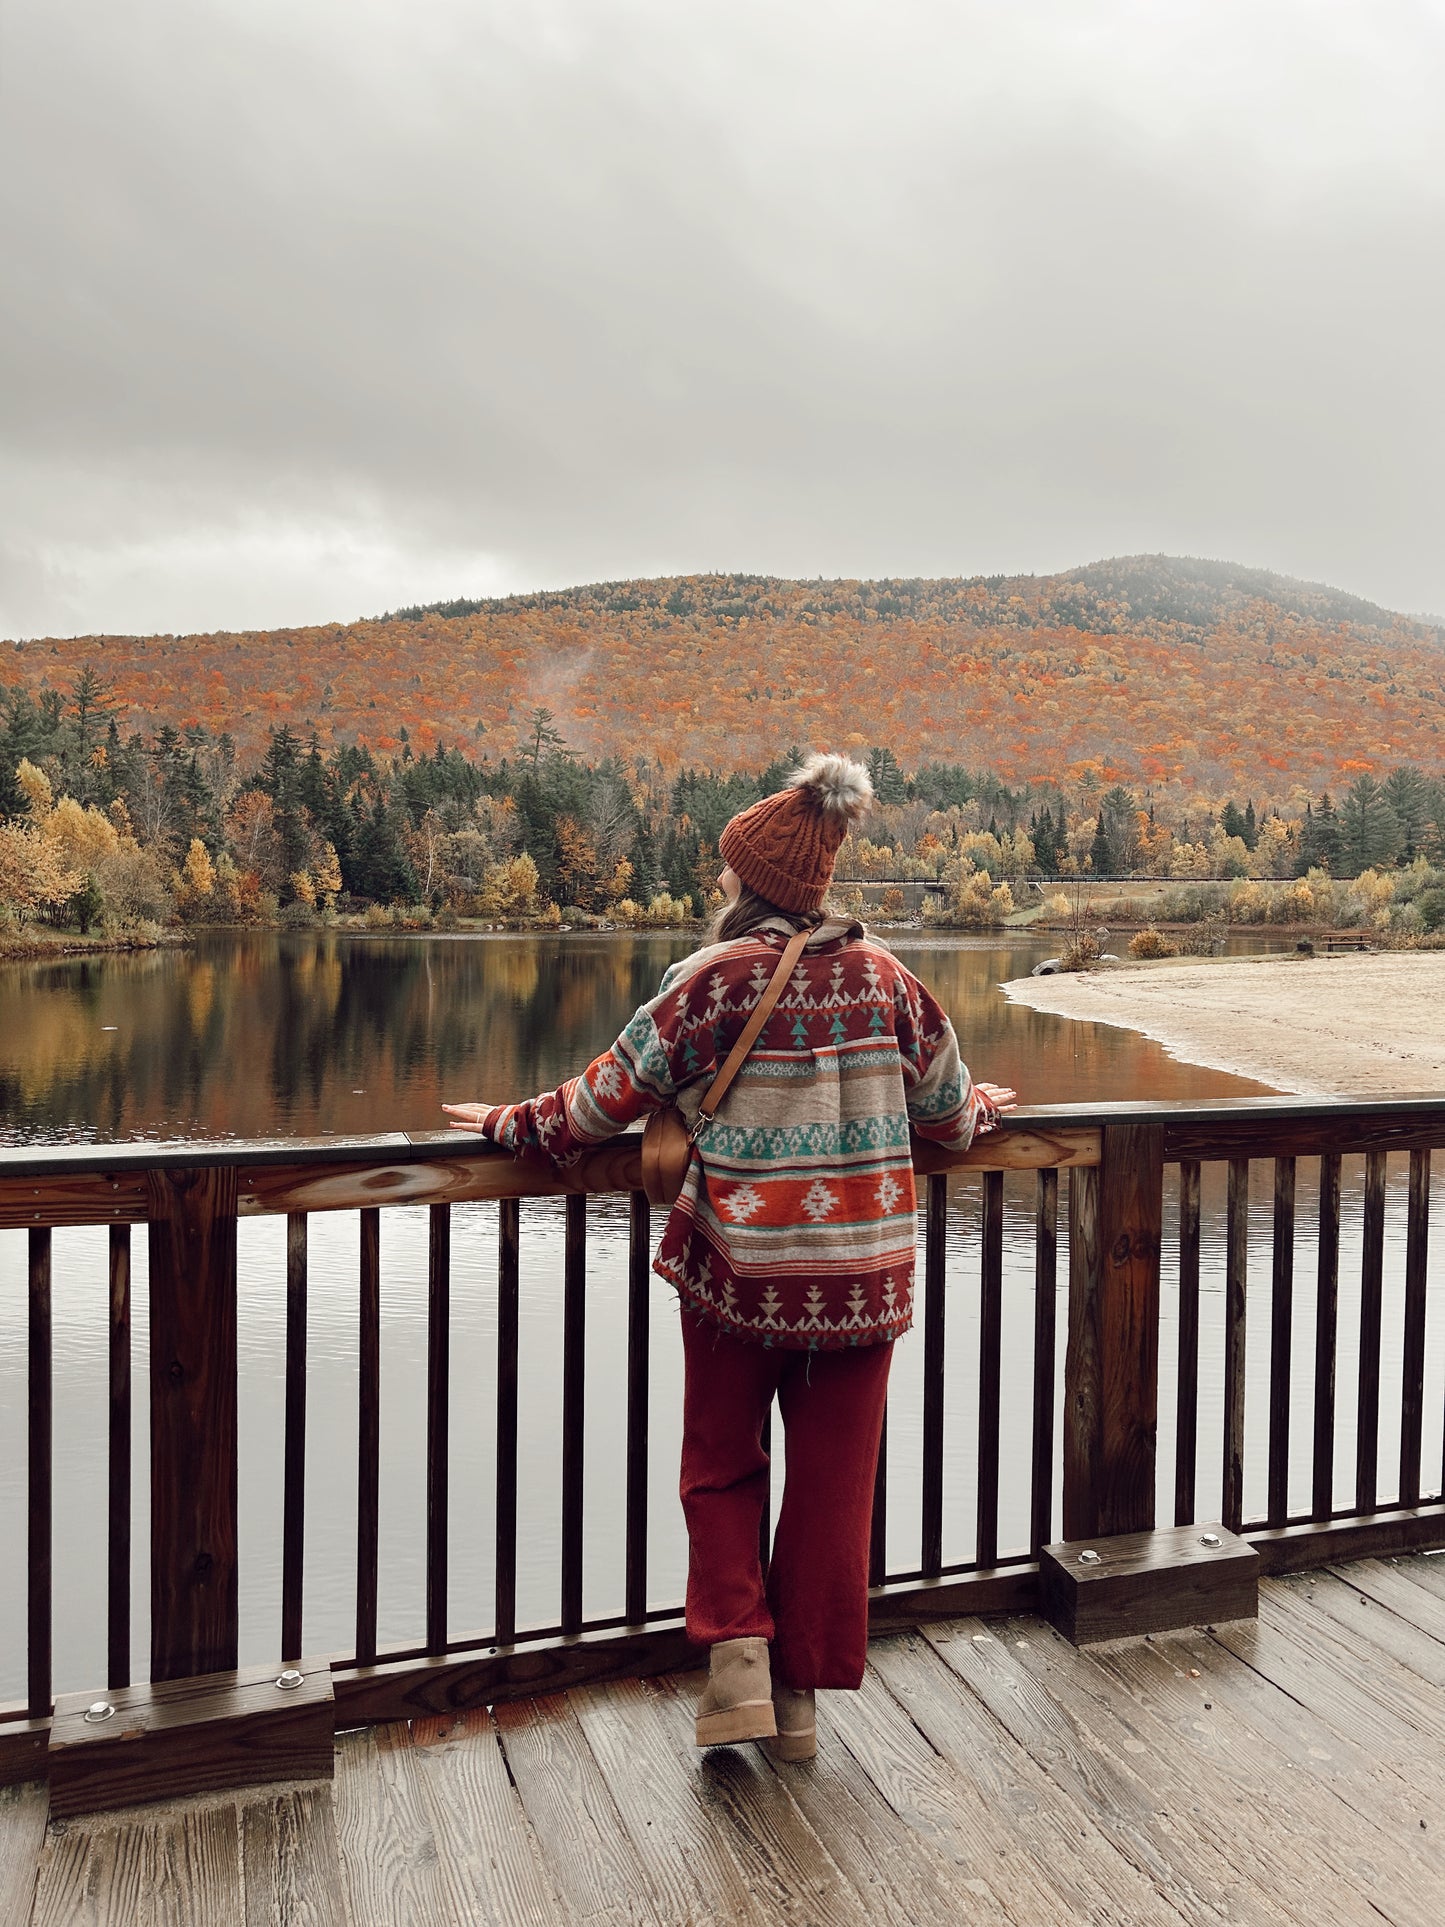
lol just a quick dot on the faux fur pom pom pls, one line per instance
(840, 786)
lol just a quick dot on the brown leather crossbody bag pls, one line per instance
(668, 1141)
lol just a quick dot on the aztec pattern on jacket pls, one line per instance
(796, 1225)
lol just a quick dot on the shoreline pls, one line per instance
(1340, 1026)
(70, 944)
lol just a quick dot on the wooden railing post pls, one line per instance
(1111, 1374)
(192, 1246)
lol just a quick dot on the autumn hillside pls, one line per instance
(1182, 676)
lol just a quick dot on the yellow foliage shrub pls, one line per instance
(1152, 943)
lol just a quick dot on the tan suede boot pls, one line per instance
(737, 1702)
(795, 1713)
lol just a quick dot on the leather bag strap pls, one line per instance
(762, 1011)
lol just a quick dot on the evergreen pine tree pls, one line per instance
(1045, 842)
(1319, 839)
(888, 782)
(1233, 822)
(1101, 851)
(1370, 833)
(280, 778)
(93, 702)
(645, 870)
(379, 861)
(1408, 795)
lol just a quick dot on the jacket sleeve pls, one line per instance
(943, 1103)
(668, 1043)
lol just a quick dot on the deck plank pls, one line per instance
(1095, 1881)
(1396, 1584)
(924, 1870)
(1140, 1802)
(1364, 1619)
(1311, 1744)
(198, 1869)
(1426, 1571)
(783, 1861)
(1183, 1718)
(584, 1844)
(22, 1834)
(1390, 1684)
(96, 1875)
(489, 1862)
(940, 1808)
(290, 1858)
(666, 1811)
(177, 1865)
(1310, 1671)
(387, 1849)
(1277, 1830)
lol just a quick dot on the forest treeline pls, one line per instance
(111, 829)
(1187, 681)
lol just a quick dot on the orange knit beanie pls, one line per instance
(785, 846)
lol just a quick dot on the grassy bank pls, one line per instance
(31, 945)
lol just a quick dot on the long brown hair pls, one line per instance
(751, 908)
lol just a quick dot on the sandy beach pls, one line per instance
(1320, 1026)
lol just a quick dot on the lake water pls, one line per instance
(303, 1035)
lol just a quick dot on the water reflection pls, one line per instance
(262, 1035)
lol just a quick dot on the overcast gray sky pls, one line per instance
(309, 308)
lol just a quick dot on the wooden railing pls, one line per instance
(1098, 1478)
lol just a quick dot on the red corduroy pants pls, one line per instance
(814, 1606)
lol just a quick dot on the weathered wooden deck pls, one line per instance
(1291, 1771)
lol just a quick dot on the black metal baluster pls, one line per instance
(990, 1358)
(293, 1500)
(1235, 1307)
(117, 1607)
(38, 1614)
(574, 1367)
(438, 1421)
(934, 1260)
(1186, 1422)
(639, 1333)
(878, 1526)
(1046, 1284)
(1372, 1291)
(1281, 1340)
(508, 1319)
(1327, 1309)
(1412, 1404)
(368, 1456)
(765, 1522)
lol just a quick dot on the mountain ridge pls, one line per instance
(1186, 676)
(1294, 594)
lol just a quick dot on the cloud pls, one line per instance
(314, 309)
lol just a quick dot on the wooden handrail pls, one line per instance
(85, 1184)
(431, 1170)
(1222, 1116)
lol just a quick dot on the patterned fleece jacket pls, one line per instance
(796, 1224)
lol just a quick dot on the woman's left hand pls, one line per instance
(466, 1117)
(998, 1098)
